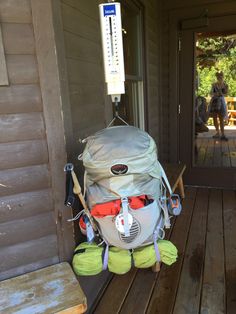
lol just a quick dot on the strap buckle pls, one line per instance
(69, 167)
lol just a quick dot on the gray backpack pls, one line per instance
(120, 163)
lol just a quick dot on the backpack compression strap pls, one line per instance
(156, 237)
(163, 198)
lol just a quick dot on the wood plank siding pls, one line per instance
(83, 55)
(28, 236)
(3, 67)
(203, 278)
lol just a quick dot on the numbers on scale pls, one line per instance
(112, 43)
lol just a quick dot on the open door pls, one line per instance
(210, 160)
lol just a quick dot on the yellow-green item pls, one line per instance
(119, 260)
(88, 259)
(145, 257)
(168, 252)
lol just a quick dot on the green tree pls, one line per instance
(216, 54)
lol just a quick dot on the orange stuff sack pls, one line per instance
(113, 208)
(106, 209)
(137, 202)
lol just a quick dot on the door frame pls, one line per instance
(177, 116)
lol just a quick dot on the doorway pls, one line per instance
(210, 155)
(215, 99)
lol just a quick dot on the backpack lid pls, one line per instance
(120, 150)
(112, 143)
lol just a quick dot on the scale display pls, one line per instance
(112, 43)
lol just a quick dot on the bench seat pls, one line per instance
(51, 290)
(174, 173)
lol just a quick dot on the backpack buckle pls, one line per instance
(69, 167)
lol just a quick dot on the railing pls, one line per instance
(231, 103)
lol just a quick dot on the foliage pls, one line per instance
(214, 55)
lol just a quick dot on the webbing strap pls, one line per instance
(162, 204)
(77, 216)
(158, 256)
(106, 256)
(125, 210)
(132, 258)
(164, 177)
(163, 198)
(155, 238)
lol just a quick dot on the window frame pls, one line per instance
(138, 82)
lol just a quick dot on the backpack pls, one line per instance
(201, 110)
(125, 187)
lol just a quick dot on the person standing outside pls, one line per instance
(218, 107)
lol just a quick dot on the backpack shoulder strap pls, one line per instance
(164, 178)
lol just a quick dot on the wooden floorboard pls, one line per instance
(138, 297)
(191, 276)
(115, 294)
(215, 153)
(163, 294)
(229, 210)
(226, 162)
(213, 288)
(203, 280)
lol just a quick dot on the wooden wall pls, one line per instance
(178, 4)
(83, 53)
(28, 228)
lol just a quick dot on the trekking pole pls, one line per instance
(77, 190)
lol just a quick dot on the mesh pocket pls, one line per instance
(142, 228)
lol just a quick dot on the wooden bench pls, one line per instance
(174, 173)
(51, 290)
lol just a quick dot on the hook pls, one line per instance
(116, 114)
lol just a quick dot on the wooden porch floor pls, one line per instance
(210, 152)
(204, 278)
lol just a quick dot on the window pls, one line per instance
(131, 108)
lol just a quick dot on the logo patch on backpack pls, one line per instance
(119, 169)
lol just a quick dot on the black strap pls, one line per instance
(70, 196)
(79, 251)
(132, 258)
(71, 199)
